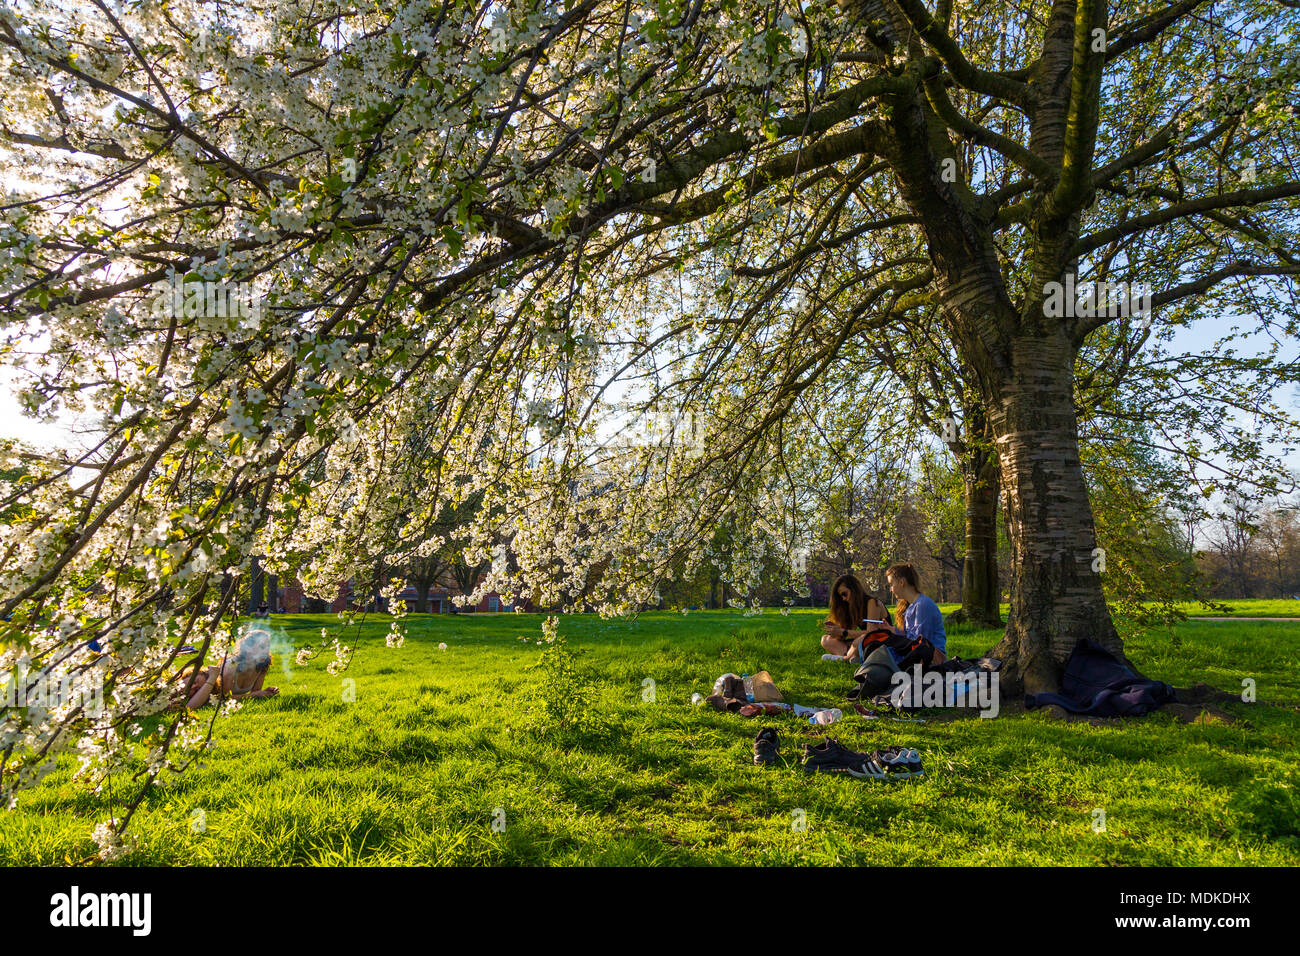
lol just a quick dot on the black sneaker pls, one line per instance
(914, 761)
(894, 763)
(766, 746)
(830, 756)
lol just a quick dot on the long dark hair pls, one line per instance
(849, 614)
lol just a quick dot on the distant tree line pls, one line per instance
(1253, 551)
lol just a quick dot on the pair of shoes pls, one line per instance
(894, 763)
(830, 756)
(834, 657)
(911, 760)
(766, 746)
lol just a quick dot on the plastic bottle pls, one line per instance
(749, 687)
(826, 716)
(963, 688)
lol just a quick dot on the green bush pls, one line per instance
(562, 697)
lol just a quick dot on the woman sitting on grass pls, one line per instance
(916, 615)
(239, 676)
(844, 628)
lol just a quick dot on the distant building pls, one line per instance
(289, 599)
(440, 601)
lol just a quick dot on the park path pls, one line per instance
(1244, 619)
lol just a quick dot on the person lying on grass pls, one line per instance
(916, 615)
(851, 608)
(239, 676)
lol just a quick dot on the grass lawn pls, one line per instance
(1239, 607)
(1248, 607)
(434, 750)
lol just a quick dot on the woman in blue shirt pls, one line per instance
(917, 615)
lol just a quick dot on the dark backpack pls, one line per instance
(880, 651)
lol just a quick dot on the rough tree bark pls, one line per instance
(980, 586)
(1056, 590)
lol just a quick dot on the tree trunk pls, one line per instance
(464, 576)
(980, 588)
(228, 582)
(1056, 589)
(1019, 361)
(256, 586)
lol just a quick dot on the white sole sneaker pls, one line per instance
(914, 760)
(872, 770)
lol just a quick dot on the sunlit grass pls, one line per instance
(433, 751)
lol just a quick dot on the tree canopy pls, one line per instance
(318, 271)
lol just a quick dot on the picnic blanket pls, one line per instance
(1098, 684)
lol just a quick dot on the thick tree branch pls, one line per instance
(964, 72)
(1240, 197)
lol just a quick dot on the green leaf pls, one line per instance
(453, 240)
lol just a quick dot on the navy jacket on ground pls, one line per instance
(1098, 684)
